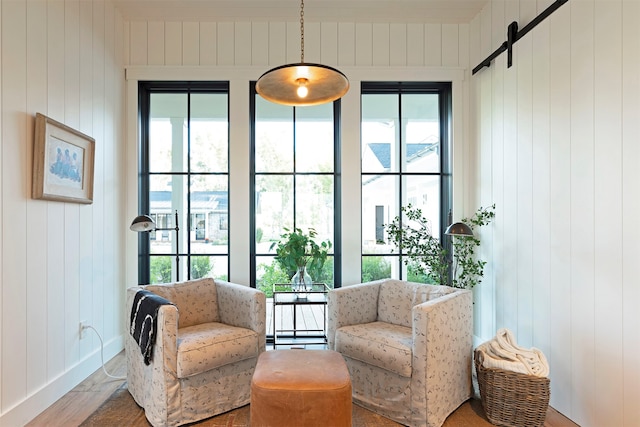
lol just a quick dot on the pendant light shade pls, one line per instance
(302, 84)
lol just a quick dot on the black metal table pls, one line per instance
(283, 295)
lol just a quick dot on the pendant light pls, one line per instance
(302, 84)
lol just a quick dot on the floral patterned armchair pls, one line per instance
(206, 347)
(408, 347)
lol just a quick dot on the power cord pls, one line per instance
(102, 353)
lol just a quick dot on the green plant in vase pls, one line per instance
(300, 255)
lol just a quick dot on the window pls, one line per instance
(294, 180)
(184, 174)
(405, 160)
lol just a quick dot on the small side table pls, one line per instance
(283, 295)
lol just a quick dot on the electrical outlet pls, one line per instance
(83, 326)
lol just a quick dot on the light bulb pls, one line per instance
(302, 90)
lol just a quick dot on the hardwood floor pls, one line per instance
(74, 407)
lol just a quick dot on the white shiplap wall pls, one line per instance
(60, 263)
(556, 148)
(186, 43)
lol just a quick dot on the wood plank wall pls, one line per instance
(556, 148)
(189, 43)
(60, 262)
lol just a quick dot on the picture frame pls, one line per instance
(63, 162)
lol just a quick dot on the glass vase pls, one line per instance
(301, 283)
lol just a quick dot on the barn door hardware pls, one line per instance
(513, 35)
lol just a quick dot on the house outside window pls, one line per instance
(405, 160)
(184, 170)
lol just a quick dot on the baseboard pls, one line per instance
(34, 404)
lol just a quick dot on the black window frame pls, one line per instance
(145, 89)
(337, 182)
(445, 107)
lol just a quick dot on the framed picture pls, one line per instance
(63, 161)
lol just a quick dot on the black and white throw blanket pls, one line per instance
(144, 314)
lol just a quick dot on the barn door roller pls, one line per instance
(513, 35)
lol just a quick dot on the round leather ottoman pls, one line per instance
(301, 388)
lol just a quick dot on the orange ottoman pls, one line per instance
(301, 388)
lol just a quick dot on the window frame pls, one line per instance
(337, 184)
(145, 89)
(445, 109)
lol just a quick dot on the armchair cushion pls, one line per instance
(208, 346)
(380, 344)
(197, 300)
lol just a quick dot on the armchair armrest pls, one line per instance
(166, 342)
(244, 307)
(165, 350)
(351, 305)
(162, 370)
(442, 350)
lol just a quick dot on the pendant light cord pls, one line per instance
(301, 31)
(302, 84)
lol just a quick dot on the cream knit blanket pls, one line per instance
(502, 352)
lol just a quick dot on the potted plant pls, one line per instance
(425, 254)
(299, 254)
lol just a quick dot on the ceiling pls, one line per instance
(405, 11)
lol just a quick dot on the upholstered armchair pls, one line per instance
(206, 348)
(408, 347)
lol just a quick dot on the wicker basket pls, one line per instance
(510, 398)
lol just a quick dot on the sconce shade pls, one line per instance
(458, 229)
(323, 83)
(143, 223)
